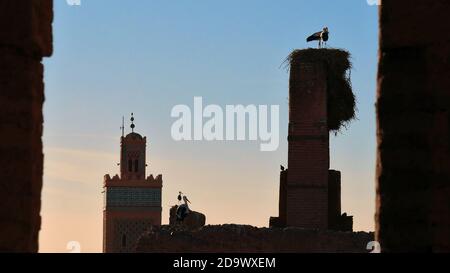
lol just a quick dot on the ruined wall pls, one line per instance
(248, 239)
(25, 37)
(413, 107)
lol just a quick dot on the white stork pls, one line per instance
(321, 36)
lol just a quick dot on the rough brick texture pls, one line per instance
(308, 155)
(248, 239)
(25, 37)
(413, 107)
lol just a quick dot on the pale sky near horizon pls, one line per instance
(115, 57)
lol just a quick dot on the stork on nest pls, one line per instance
(321, 36)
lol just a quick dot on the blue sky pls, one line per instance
(115, 57)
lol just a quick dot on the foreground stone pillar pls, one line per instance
(413, 107)
(25, 37)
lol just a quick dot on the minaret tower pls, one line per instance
(132, 155)
(132, 202)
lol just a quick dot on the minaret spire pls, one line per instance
(132, 123)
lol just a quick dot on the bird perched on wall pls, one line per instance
(282, 168)
(183, 210)
(321, 36)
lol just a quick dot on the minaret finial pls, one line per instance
(132, 123)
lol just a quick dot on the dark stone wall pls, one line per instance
(413, 108)
(25, 38)
(248, 239)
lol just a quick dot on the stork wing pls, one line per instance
(315, 36)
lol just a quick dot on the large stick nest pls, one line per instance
(341, 99)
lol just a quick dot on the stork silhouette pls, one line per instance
(321, 36)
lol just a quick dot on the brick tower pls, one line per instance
(308, 155)
(310, 193)
(132, 202)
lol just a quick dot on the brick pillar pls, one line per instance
(282, 201)
(308, 155)
(334, 199)
(25, 37)
(413, 161)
